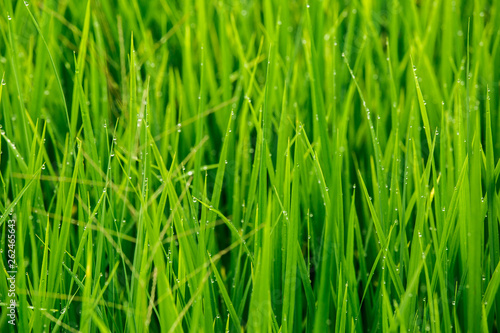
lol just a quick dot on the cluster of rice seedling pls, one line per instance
(249, 166)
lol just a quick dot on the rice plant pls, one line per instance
(249, 166)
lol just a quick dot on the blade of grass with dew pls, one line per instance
(493, 240)
(225, 295)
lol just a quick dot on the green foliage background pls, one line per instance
(259, 166)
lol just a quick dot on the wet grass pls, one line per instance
(260, 166)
